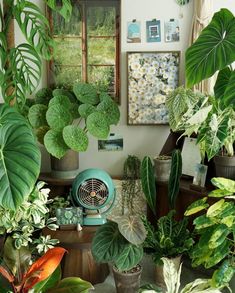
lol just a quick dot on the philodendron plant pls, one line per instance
(215, 227)
(120, 243)
(63, 121)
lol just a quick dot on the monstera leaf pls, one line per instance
(213, 50)
(20, 158)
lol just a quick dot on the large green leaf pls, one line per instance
(213, 50)
(222, 82)
(64, 92)
(58, 116)
(229, 94)
(107, 243)
(72, 285)
(111, 111)
(65, 9)
(19, 158)
(37, 115)
(223, 274)
(75, 138)
(60, 100)
(148, 183)
(98, 125)
(196, 207)
(54, 143)
(50, 282)
(86, 93)
(132, 228)
(174, 179)
(218, 236)
(86, 109)
(224, 183)
(129, 257)
(34, 26)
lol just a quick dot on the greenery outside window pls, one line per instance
(88, 46)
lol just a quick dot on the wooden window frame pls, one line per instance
(84, 4)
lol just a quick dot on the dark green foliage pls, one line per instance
(174, 179)
(43, 96)
(170, 238)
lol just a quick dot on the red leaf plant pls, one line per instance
(39, 270)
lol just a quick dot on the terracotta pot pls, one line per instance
(127, 282)
(159, 278)
(225, 166)
(66, 167)
(162, 168)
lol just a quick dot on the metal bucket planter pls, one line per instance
(66, 167)
(128, 282)
(162, 165)
(225, 166)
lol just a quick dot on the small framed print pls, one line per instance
(134, 31)
(199, 178)
(153, 31)
(172, 31)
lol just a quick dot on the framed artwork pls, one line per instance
(151, 76)
(153, 31)
(200, 175)
(133, 31)
(172, 31)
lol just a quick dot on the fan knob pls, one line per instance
(93, 194)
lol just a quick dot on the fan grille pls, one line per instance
(93, 192)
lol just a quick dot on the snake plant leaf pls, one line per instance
(72, 285)
(216, 42)
(110, 109)
(65, 9)
(37, 115)
(223, 275)
(174, 179)
(148, 183)
(222, 82)
(107, 243)
(224, 183)
(129, 257)
(75, 138)
(48, 283)
(35, 26)
(196, 207)
(60, 100)
(86, 93)
(54, 143)
(98, 125)
(132, 228)
(86, 109)
(58, 117)
(19, 159)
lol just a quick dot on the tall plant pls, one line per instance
(20, 66)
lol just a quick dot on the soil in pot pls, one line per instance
(162, 165)
(225, 166)
(127, 282)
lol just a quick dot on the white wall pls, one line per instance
(138, 140)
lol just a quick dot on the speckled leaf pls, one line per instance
(110, 109)
(75, 138)
(86, 109)
(98, 125)
(60, 100)
(58, 117)
(63, 92)
(86, 93)
(196, 207)
(37, 115)
(54, 143)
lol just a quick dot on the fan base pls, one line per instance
(91, 221)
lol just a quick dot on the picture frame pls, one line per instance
(153, 31)
(151, 76)
(199, 178)
(172, 31)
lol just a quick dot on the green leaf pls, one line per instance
(50, 282)
(202, 222)
(229, 95)
(41, 132)
(196, 207)
(34, 26)
(19, 158)
(43, 96)
(65, 9)
(218, 254)
(98, 125)
(54, 143)
(60, 100)
(216, 208)
(219, 193)
(132, 228)
(86, 109)
(75, 138)
(86, 93)
(64, 92)
(72, 285)
(224, 183)
(37, 115)
(111, 111)
(218, 236)
(148, 183)
(223, 275)
(222, 82)
(216, 42)
(174, 179)
(129, 257)
(58, 117)
(107, 243)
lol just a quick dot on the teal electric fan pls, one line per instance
(93, 189)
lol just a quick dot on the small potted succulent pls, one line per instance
(62, 119)
(120, 243)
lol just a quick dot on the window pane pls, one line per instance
(101, 21)
(66, 76)
(103, 76)
(68, 51)
(73, 27)
(101, 51)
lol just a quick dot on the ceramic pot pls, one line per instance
(66, 167)
(127, 282)
(225, 166)
(159, 278)
(162, 168)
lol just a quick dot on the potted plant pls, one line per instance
(120, 243)
(63, 122)
(41, 276)
(170, 238)
(215, 227)
(162, 166)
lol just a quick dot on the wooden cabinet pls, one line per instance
(79, 262)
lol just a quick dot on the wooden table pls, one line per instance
(79, 262)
